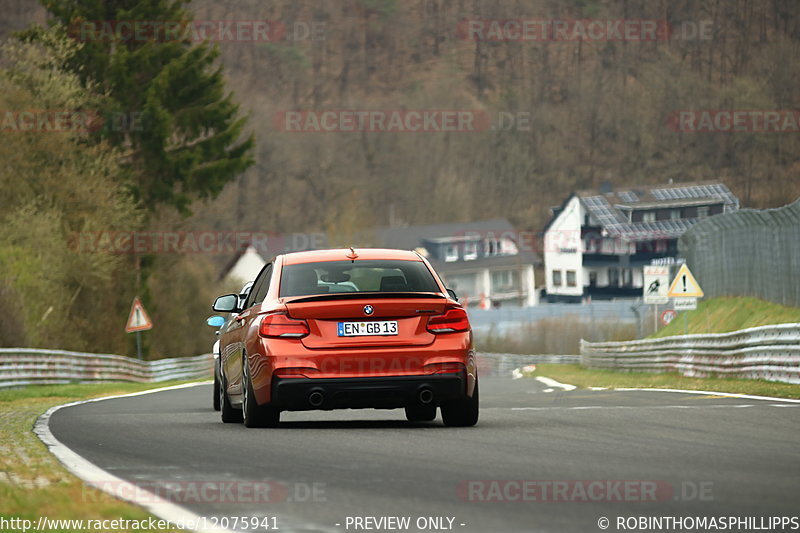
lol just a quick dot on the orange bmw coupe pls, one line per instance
(347, 328)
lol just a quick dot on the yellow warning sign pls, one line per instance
(684, 285)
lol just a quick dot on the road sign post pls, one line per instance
(138, 321)
(655, 318)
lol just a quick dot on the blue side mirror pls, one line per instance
(215, 321)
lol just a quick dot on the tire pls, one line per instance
(216, 398)
(462, 413)
(229, 414)
(256, 416)
(420, 413)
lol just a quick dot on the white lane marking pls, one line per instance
(710, 393)
(553, 383)
(548, 390)
(118, 488)
(598, 388)
(96, 477)
(587, 407)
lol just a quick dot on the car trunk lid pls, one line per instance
(325, 313)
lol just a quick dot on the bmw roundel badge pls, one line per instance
(368, 310)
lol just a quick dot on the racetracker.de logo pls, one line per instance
(352, 120)
(549, 30)
(207, 492)
(196, 31)
(192, 242)
(49, 121)
(734, 121)
(570, 490)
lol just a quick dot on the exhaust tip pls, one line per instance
(425, 396)
(316, 398)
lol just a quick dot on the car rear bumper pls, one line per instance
(295, 394)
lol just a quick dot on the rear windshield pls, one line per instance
(380, 275)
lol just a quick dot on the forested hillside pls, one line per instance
(561, 114)
(598, 110)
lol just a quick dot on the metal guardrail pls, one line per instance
(766, 352)
(28, 366)
(504, 363)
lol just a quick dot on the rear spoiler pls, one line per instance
(359, 296)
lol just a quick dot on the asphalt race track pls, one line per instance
(695, 455)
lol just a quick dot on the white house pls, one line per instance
(245, 266)
(597, 242)
(482, 261)
(248, 262)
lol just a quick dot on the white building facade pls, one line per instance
(597, 243)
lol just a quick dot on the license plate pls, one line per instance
(360, 329)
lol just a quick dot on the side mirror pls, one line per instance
(227, 303)
(452, 294)
(215, 321)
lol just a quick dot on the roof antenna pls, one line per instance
(352, 255)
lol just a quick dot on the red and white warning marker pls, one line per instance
(138, 319)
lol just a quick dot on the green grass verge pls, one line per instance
(585, 378)
(32, 481)
(721, 315)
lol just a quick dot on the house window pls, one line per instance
(502, 281)
(470, 251)
(557, 278)
(571, 278)
(451, 253)
(702, 211)
(675, 214)
(493, 247)
(627, 277)
(613, 277)
(650, 216)
(592, 278)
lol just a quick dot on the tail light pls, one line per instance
(452, 321)
(283, 326)
(294, 372)
(444, 368)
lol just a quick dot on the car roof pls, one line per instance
(345, 254)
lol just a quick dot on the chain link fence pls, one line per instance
(750, 252)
